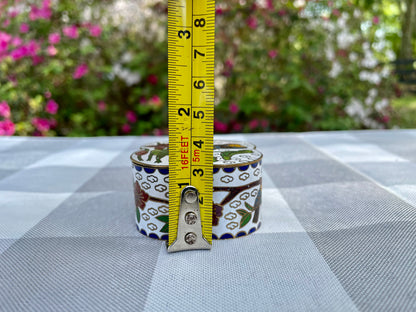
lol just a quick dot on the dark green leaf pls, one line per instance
(138, 215)
(245, 219)
(251, 208)
(165, 228)
(163, 219)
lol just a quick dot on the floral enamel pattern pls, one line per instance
(236, 196)
(140, 196)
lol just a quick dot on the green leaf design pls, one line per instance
(165, 228)
(163, 218)
(251, 208)
(138, 215)
(228, 154)
(245, 219)
(242, 212)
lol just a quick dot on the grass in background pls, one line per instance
(404, 112)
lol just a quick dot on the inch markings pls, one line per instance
(191, 37)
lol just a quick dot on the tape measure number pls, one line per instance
(191, 43)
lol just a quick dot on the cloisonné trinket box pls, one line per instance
(236, 193)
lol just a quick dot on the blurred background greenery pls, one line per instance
(92, 67)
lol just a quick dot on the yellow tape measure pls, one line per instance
(191, 42)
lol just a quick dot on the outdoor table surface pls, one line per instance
(338, 229)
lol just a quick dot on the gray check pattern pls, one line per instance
(338, 230)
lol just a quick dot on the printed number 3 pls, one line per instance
(184, 33)
(200, 172)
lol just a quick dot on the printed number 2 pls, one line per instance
(183, 110)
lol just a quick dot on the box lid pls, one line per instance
(226, 154)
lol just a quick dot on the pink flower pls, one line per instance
(253, 124)
(3, 48)
(52, 50)
(33, 47)
(95, 30)
(101, 106)
(7, 127)
(131, 116)
(37, 60)
(43, 12)
(46, 3)
(54, 38)
(18, 53)
(5, 37)
(51, 107)
(29, 49)
(219, 11)
(228, 66)
(4, 109)
(272, 54)
(24, 28)
(385, 119)
(157, 132)
(155, 101)
(264, 123)
(13, 13)
(220, 126)
(52, 122)
(376, 20)
(237, 127)
(80, 71)
(152, 79)
(125, 128)
(6, 23)
(233, 107)
(252, 22)
(71, 31)
(48, 94)
(41, 124)
(16, 41)
(269, 5)
(281, 12)
(336, 12)
(229, 63)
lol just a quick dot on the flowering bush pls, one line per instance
(93, 67)
(70, 68)
(302, 65)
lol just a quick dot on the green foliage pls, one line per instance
(279, 66)
(294, 68)
(404, 112)
(125, 81)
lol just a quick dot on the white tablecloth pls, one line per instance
(338, 230)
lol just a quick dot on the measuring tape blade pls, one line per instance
(191, 43)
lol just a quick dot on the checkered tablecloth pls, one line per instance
(338, 230)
